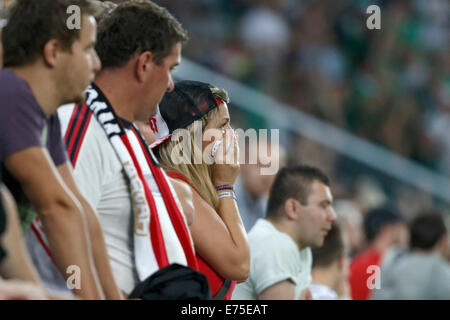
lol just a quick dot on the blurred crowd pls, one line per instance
(390, 86)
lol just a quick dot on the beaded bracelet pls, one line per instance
(228, 194)
(225, 187)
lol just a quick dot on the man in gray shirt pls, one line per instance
(423, 273)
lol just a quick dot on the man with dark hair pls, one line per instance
(299, 216)
(423, 273)
(386, 232)
(330, 267)
(428, 233)
(160, 35)
(48, 64)
(139, 44)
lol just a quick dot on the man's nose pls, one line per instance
(97, 63)
(171, 85)
(332, 214)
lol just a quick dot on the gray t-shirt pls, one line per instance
(274, 257)
(414, 276)
(23, 125)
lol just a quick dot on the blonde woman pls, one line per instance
(209, 167)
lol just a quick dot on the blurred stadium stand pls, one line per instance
(371, 107)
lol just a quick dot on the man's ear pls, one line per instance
(51, 52)
(443, 245)
(144, 65)
(292, 208)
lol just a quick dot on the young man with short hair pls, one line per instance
(386, 232)
(330, 267)
(46, 65)
(299, 216)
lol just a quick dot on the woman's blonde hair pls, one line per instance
(198, 175)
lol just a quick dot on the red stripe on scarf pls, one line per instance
(172, 208)
(156, 236)
(43, 244)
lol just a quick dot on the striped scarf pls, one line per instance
(160, 233)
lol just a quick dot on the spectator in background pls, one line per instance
(253, 186)
(56, 68)
(218, 233)
(7, 3)
(265, 33)
(330, 267)
(299, 216)
(423, 273)
(385, 229)
(350, 219)
(377, 86)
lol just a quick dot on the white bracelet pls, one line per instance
(228, 194)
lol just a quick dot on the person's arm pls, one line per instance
(220, 237)
(101, 259)
(64, 221)
(283, 290)
(17, 264)
(21, 290)
(184, 194)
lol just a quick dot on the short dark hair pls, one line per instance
(379, 217)
(293, 182)
(32, 24)
(333, 248)
(426, 230)
(134, 27)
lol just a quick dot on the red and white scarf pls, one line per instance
(160, 232)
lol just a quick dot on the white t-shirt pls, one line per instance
(275, 257)
(101, 178)
(322, 292)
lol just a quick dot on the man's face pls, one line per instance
(159, 82)
(80, 66)
(317, 216)
(219, 119)
(401, 234)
